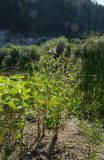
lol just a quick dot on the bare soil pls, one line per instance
(70, 144)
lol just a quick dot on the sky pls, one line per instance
(101, 2)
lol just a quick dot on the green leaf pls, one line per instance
(12, 105)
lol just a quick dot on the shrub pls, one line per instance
(17, 57)
(67, 50)
(93, 136)
(11, 55)
(92, 79)
(54, 46)
(61, 43)
(28, 56)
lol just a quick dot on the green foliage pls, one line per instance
(94, 137)
(18, 58)
(29, 57)
(60, 48)
(64, 16)
(52, 45)
(91, 86)
(13, 103)
(72, 83)
(44, 95)
(67, 50)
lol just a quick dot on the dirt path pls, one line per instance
(70, 145)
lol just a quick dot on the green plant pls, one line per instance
(13, 103)
(91, 88)
(93, 136)
(67, 50)
(57, 87)
(19, 58)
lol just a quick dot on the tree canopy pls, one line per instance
(51, 16)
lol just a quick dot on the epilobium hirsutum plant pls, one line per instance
(14, 99)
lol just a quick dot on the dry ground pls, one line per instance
(70, 145)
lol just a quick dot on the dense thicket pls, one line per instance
(68, 80)
(18, 58)
(92, 78)
(51, 16)
(83, 59)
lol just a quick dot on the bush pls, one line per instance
(61, 43)
(92, 79)
(28, 56)
(17, 57)
(10, 56)
(67, 50)
(51, 46)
